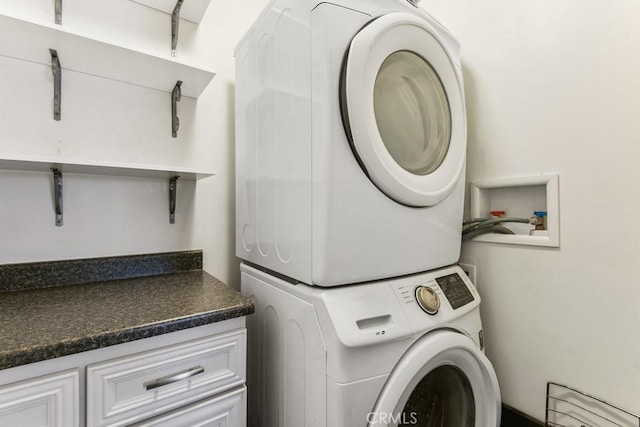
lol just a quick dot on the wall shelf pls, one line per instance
(95, 167)
(518, 196)
(192, 10)
(31, 42)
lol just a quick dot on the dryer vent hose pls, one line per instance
(490, 224)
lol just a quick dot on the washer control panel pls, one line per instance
(455, 290)
(392, 309)
(442, 294)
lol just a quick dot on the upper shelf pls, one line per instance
(191, 10)
(82, 53)
(95, 167)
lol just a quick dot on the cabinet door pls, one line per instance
(49, 401)
(227, 410)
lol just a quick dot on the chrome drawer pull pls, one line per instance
(169, 379)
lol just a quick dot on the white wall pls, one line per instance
(102, 216)
(554, 87)
(107, 120)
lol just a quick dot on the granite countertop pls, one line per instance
(46, 322)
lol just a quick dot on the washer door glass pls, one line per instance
(412, 112)
(443, 398)
(442, 380)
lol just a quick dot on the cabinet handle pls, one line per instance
(178, 376)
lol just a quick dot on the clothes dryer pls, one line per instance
(350, 141)
(406, 351)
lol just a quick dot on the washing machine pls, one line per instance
(405, 351)
(350, 141)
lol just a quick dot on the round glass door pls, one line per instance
(412, 112)
(402, 106)
(443, 398)
(443, 380)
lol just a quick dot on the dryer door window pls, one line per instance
(402, 106)
(412, 112)
(442, 380)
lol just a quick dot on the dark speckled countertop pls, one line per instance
(43, 323)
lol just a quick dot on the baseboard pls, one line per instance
(514, 418)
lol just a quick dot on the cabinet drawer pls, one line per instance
(132, 388)
(228, 410)
(51, 401)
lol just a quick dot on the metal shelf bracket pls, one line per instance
(57, 195)
(175, 26)
(58, 8)
(176, 95)
(57, 83)
(173, 190)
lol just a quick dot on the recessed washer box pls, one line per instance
(518, 196)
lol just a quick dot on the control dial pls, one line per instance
(427, 299)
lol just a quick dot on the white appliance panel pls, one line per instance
(313, 361)
(305, 207)
(288, 354)
(273, 173)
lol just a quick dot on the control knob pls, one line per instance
(427, 299)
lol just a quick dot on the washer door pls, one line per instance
(443, 380)
(403, 109)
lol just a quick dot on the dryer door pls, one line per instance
(443, 380)
(402, 106)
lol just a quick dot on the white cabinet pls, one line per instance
(52, 401)
(228, 410)
(132, 388)
(187, 378)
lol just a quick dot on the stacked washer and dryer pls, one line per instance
(350, 158)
